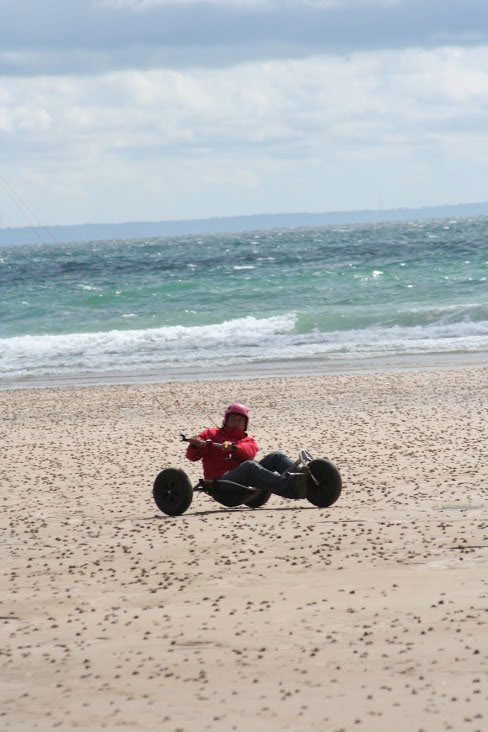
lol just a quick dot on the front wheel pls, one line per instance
(329, 483)
(172, 491)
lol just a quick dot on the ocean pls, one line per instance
(314, 300)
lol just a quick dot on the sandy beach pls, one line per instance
(371, 614)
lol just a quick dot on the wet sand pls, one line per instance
(371, 614)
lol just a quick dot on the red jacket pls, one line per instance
(215, 461)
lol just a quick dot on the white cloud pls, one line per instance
(312, 134)
(132, 109)
(98, 37)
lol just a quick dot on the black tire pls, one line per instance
(329, 485)
(172, 491)
(259, 500)
(229, 494)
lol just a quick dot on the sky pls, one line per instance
(132, 110)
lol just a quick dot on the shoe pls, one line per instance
(304, 457)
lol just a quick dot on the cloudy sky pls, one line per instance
(118, 110)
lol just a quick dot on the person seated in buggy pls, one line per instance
(233, 478)
(228, 453)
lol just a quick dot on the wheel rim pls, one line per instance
(170, 493)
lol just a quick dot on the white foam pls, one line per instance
(141, 349)
(231, 343)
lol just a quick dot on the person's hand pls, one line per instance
(196, 441)
(228, 447)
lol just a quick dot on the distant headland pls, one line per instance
(229, 224)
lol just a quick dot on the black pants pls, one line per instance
(266, 474)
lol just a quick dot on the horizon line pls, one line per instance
(236, 223)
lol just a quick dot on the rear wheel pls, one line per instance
(329, 483)
(172, 491)
(258, 500)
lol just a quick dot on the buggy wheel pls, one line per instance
(258, 500)
(172, 491)
(329, 486)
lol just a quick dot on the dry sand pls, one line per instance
(370, 615)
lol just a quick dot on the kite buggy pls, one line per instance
(232, 477)
(173, 490)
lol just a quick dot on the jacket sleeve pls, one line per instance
(196, 453)
(246, 449)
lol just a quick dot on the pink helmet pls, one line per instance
(237, 409)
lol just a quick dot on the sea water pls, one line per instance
(309, 300)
